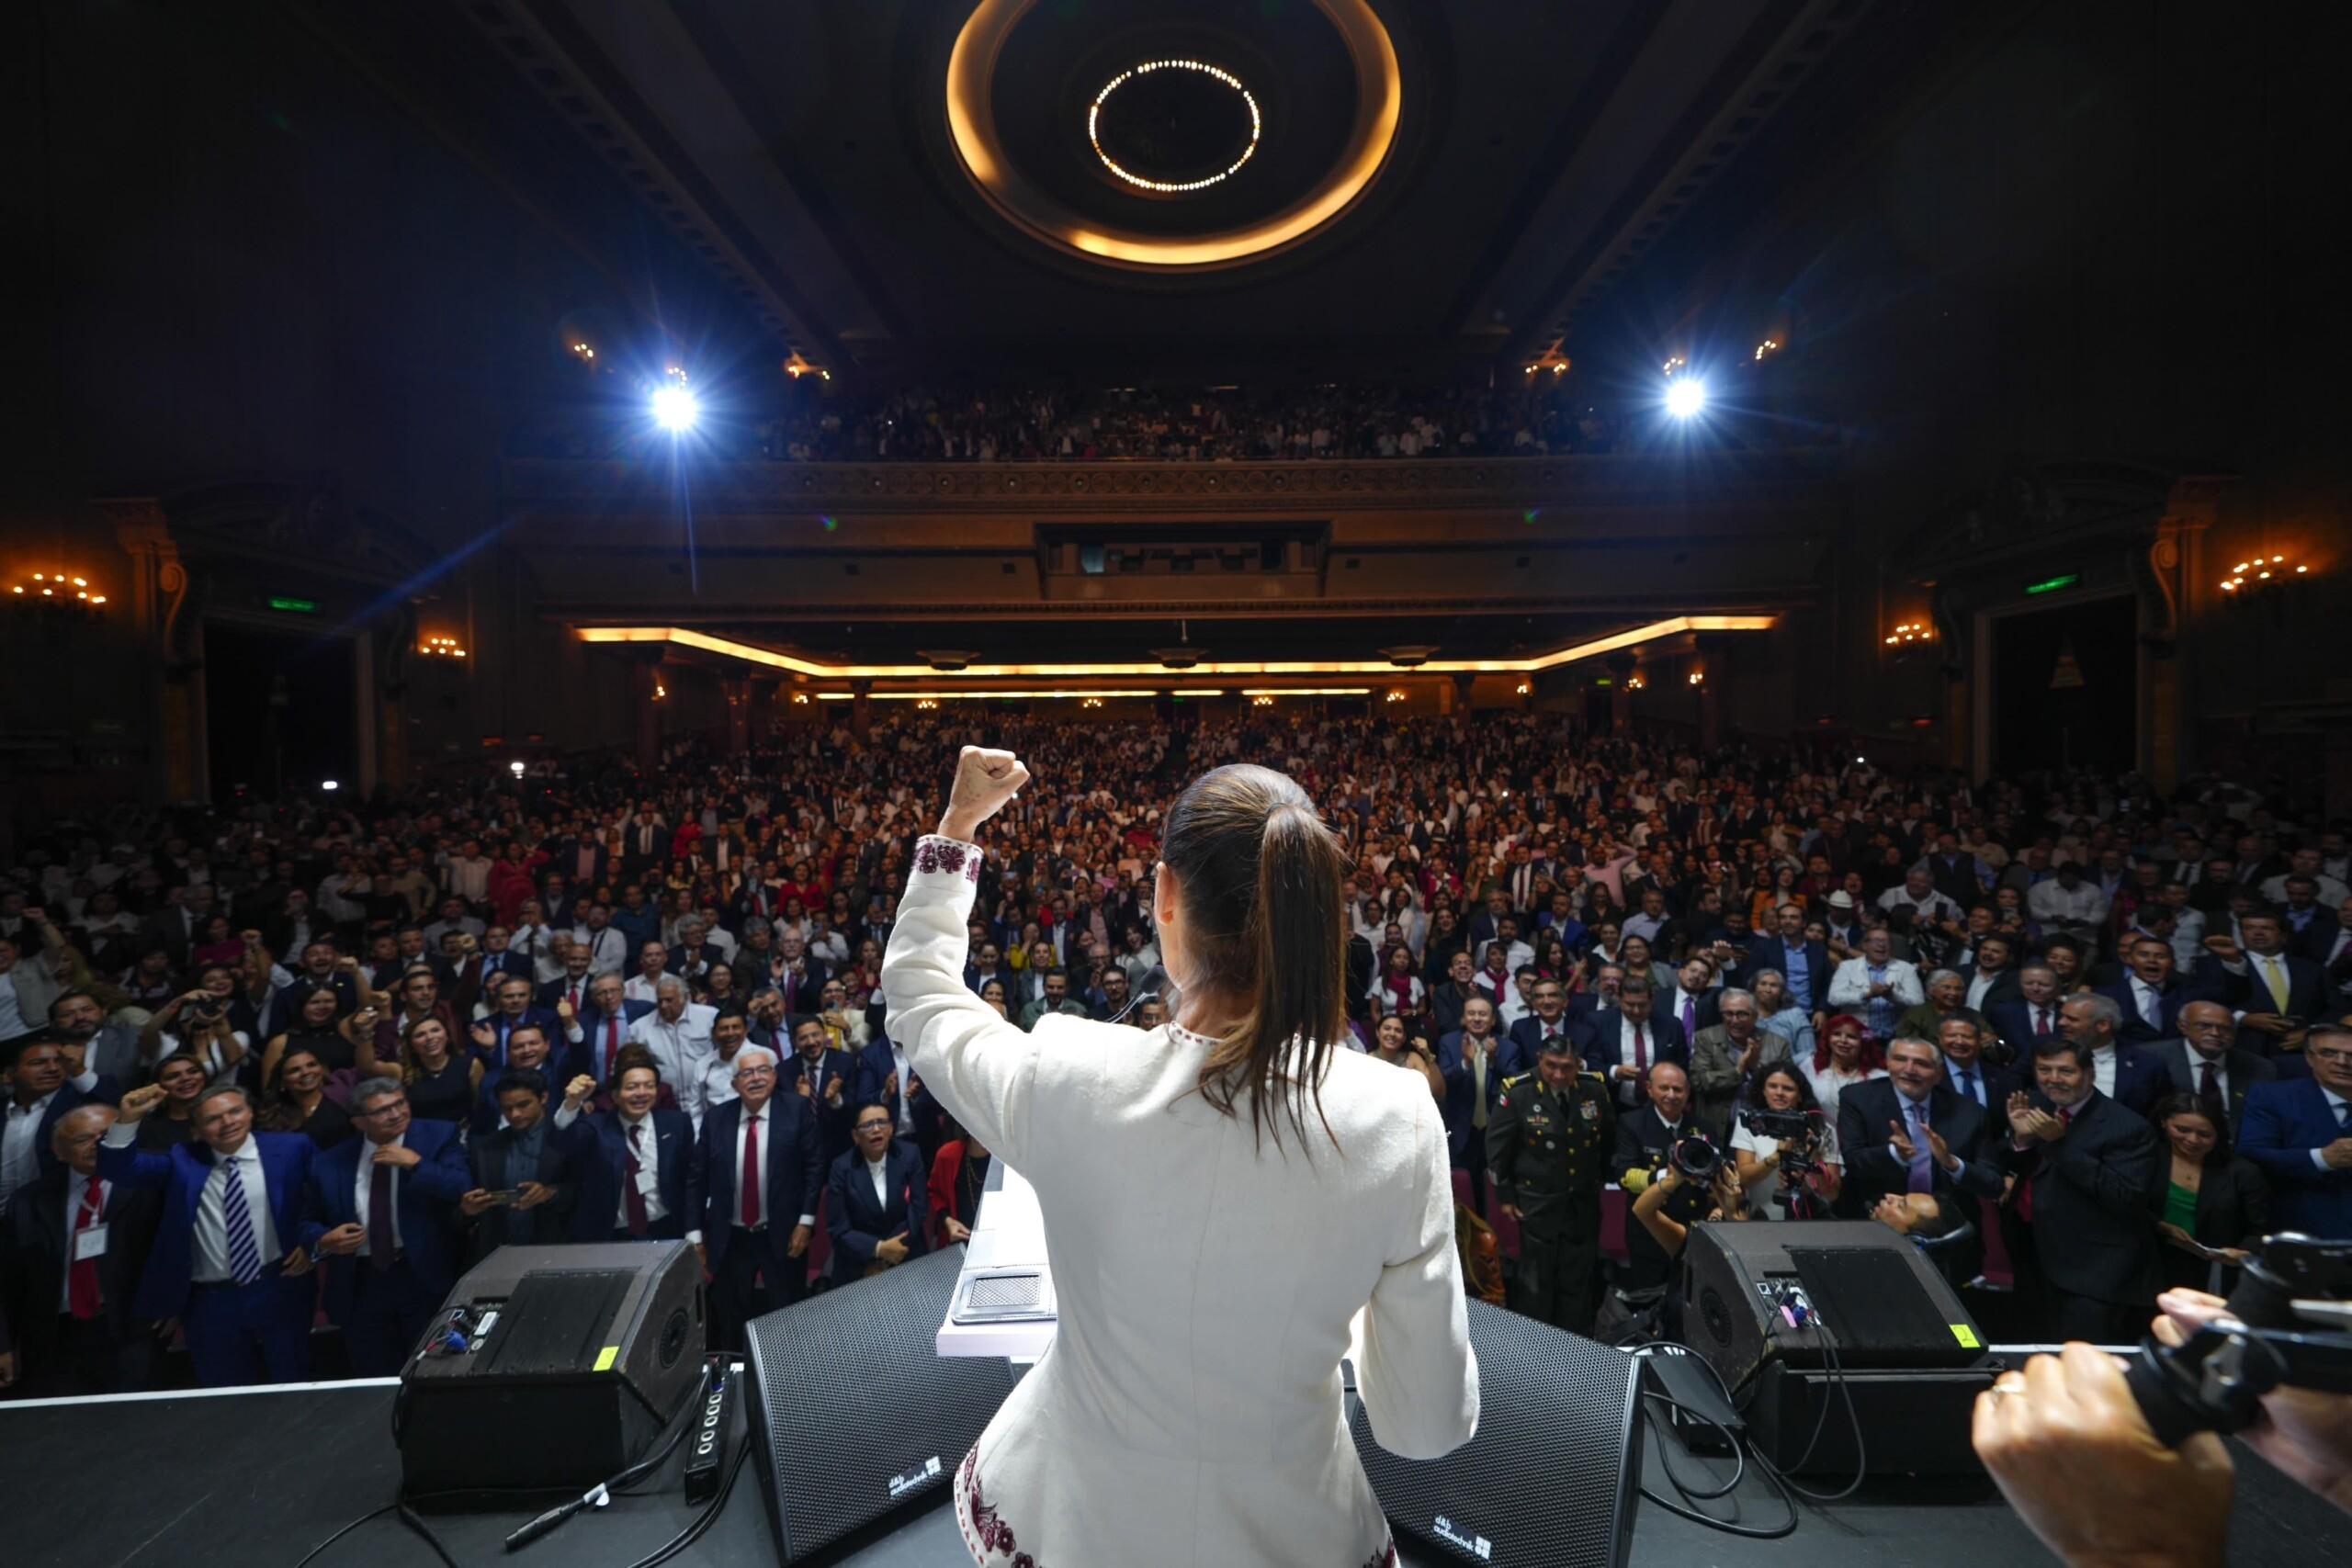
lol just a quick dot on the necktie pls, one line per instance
(2209, 1092)
(2150, 1007)
(636, 1199)
(383, 1250)
(612, 1045)
(1923, 1170)
(2041, 1021)
(2275, 977)
(751, 1181)
(573, 997)
(1478, 1086)
(1690, 1018)
(82, 1279)
(1641, 1053)
(1968, 1084)
(245, 1252)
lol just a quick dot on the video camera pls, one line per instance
(1693, 1157)
(2215, 1381)
(1798, 1133)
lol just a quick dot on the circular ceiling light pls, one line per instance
(1172, 187)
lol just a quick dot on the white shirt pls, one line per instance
(12, 1013)
(906, 1093)
(2149, 1001)
(767, 1158)
(641, 989)
(363, 1189)
(21, 1146)
(683, 1051)
(608, 949)
(1980, 983)
(2334, 1109)
(2187, 938)
(77, 1193)
(878, 1171)
(210, 1254)
(2103, 1068)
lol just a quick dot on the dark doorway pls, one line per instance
(278, 711)
(2066, 688)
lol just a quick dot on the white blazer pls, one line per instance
(1851, 986)
(1188, 1412)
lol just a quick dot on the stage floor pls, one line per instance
(256, 1480)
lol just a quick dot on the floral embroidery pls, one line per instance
(1385, 1558)
(988, 1531)
(933, 854)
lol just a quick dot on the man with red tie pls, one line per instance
(2030, 1017)
(643, 1185)
(597, 1034)
(71, 1246)
(757, 1165)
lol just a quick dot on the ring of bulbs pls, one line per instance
(1170, 187)
(57, 585)
(2258, 570)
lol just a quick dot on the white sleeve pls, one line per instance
(980, 1066)
(1416, 1371)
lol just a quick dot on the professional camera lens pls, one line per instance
(1695, 1157)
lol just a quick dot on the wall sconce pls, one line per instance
(1769, 347)
(1634, 682)
(441, 647)
(1698, 677)
(926, 703)
(1523, 688)
(1396, 696)
(1261, 701)
(660, 690)
(58, 590)
(1092, 703)
(1910, 632)
(2259, 574)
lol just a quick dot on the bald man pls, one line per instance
(71, 1246)
(2206, 1062)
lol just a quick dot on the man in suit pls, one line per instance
(387, 1202)
(77, 1022)
(695, 953)
(1723, 1058)
(637, 1182)
(2278, 994)
(525, 1175)
(2300, 1131)
(1805, 966)
(596, 1035)
(1449, 996)
(1549, 1021)
(1693, 1003)
(2086, 1167)
(512, 1011)
(1992, 978)
(571, 987)
(1646, 1137)
(40, 1092)
(757, 1165)
(71, 1246)
(1622, 1043)
(1963, 1040)
(2125, 1073)
(878, 1201)
(2032, 1017)
(1911, 1132)
(2148, 994)
(1470, 1061)
(645, 845)
(527, 1049)
(885, 1077)
(233, 1246)
(2206, 1063)
(822, 1075)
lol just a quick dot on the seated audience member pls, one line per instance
(2208, 1062)
(294, 1100)
(1724, 1058)
(1910, 1133)
(183, 1079)
(2085, 1168)
(525, 1172)
(637, 1184)
(2209, 1199)
(233, 1245)
(758, 1166)
(2300, 1131)
(959, 1174)
(387, 1202)
(39, 1094)
(1847, 1055)
(72, 1247)
(876, 1198)
(1774, 1190)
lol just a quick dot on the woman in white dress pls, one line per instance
(1230, 1207)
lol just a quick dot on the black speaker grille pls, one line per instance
(859, 1416)
(1550, 1480)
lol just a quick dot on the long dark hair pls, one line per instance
(1259, 875)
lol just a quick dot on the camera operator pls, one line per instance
(1647, 1137)
(1784, 1149)
(1695, 1185)
(2067, 1441)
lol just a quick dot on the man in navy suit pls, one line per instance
(2124, 1072)
(2032, 1017)
(2206, 1064)
(2150, 995)
(1550, 1020)
(2279, 994)
(1806, 965)
(511, 1010)
(1911, 1132)
(1622, 1043)
(599, 1032)
(39, 1092)
(388, 1203)
(2300, 1131)
(233, 1251)
(569, 988)
(877, 1202)
(753, 1234)
(1992, 978)
(885, 1077)
(637, 1183)
(823, 1078)
(1469, 1057)
(1961, 1040)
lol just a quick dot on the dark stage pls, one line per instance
(254, 1479)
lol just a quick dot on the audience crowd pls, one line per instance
(272, 1061)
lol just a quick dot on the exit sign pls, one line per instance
(2051, 584)
(294, 606)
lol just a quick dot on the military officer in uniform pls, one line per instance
(1548, 1146)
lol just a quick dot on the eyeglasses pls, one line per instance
(755, 1073)
(2334, 1058)
(873, 1126)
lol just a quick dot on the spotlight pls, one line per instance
(674, 408)
(515, 768)
(328, 784)
(1685, 396)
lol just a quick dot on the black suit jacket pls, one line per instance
(2232, 1203)
(795, 1164)
(2243, 1068)
(1864, 1112)
(1642, 1140)
(857, 1221)
(2090, 1201)
(33, 1260)
(1604, 1038)
(2317, 939)
(560, 1156)
(2307, 993)
(1773, 952)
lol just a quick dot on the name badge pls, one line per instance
(90, 1242)
(648, 1180)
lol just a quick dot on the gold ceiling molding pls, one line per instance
(971, 128)
(751, 653)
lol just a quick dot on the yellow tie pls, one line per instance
(2276, 978)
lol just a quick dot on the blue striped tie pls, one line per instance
(245, 1252)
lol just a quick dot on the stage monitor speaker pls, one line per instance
(1881, 1297)
(551, 1367)
(855, 1415)
(1553, 1477)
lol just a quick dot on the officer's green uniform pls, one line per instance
(1549, 1153)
